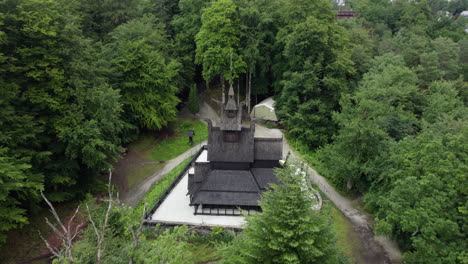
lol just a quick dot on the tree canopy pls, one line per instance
(218, 41)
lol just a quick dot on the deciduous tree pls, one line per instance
(218, 42)
(317, 66)
(144, 72)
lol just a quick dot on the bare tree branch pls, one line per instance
(73, 218)
(65, 234)
(54, 213)
(100, 232)
(55, 229)
(92, 221)
(54, 251)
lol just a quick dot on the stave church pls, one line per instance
(237, 166)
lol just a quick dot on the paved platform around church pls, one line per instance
(175, 209)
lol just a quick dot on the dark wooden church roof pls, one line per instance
(228, 187)
(230, 180)
(264, 177)
(227, 198)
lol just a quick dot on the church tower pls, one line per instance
(230, 141)
(231, 114)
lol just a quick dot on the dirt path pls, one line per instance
(206, 111)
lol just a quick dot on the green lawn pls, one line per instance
(158, 149)
(347, 239)
(174, 146)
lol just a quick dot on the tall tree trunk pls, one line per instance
(250, 89)
(246, 88)
(224, 88)
(238, 92)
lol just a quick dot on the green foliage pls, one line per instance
(259, 24)
(316, 68)
(381, 111)
(287, 231)
(442, 101)
(360, 45)
(204, 253)
(98, 18)
(193, 104)
(144, 72)
(168, 247)
(58, 115)
(218, 41)
(217, 236)
(186, 25)
(401, 133)
(78, 78)
(425, 205)
(448, 54)
(17, 184)
(164, 10)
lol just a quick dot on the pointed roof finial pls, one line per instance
(231, 91)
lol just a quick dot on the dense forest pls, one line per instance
(376, 102)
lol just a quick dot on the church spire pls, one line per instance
(231, 103)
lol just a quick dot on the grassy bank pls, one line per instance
(347, 239)
(149, 152)
(170, 143)
(141, 172)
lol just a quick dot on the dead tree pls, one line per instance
(101, 230)
(136, 233)
(65, 233)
